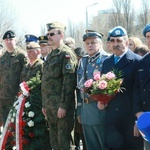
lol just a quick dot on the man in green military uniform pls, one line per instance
(30, 70)
(11, 64)
(58, 85)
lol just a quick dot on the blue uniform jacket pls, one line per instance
(89, 112)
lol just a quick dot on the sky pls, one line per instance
(36, 13)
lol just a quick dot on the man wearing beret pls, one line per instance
(146, 34)
(142, 86)
(45, 48)
(88, 114)
(11, 64)
(119, 119)
(58, 86)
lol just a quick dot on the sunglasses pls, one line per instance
(51, 34)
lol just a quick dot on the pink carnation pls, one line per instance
(97, 77)
(102, 84)
(88, 83)
(110, 75)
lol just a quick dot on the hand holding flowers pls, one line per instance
(103, 87)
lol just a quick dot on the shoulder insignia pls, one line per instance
(68, 66)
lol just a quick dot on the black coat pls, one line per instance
(142, 86)
(119, 112)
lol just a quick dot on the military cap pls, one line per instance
(54, 25)
(79, 52)
(146, 29)
(9, 34)
(91, 34)
(43, 39)
(30, 38)
(89, 30)
(32, 45)
(117, 32)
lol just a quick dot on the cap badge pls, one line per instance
(117, 32)
(42, 37)
(8, 35)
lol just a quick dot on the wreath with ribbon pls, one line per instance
(25, 127)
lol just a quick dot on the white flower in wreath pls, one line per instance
(12, 119)
(14, 114)
(27, 104)
(31, 114)
(30, 123)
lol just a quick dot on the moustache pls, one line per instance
(116, 47)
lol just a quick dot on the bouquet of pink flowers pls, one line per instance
(103, 87)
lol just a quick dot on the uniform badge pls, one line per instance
(117, 32)
(67, 56)
(8, 36)
(68, 66)
(93, 65)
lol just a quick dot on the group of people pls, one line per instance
(64, 69)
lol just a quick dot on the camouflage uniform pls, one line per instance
(31, 71)
(58, 85)
(11, 65)
(27, 73)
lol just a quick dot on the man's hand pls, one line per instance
(61, 113)
(136, 131)
(79, 119)
(100, 105)
(139, 114)
(44, 111)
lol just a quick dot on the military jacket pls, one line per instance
(59, 78)
(31, 71)
(89, 112)
(11, 65)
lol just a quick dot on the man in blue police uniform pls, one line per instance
(88, 114)
(142, 86)
(119, 119)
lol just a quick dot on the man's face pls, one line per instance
(45, 49)
(148, 39)
(118, 44)
(32, 54)
(92, 45)
(10, 42)
(53, 37)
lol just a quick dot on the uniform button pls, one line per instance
(117, 109)
(144, 102)
(143, 90)
(140, 80)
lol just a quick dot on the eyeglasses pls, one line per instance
(51, 34)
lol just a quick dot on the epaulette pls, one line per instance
(85, 56)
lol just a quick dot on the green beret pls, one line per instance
(33, 45)
(43, 39)
(54, 25)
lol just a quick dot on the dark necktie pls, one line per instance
(116, 58)
(43, 58)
